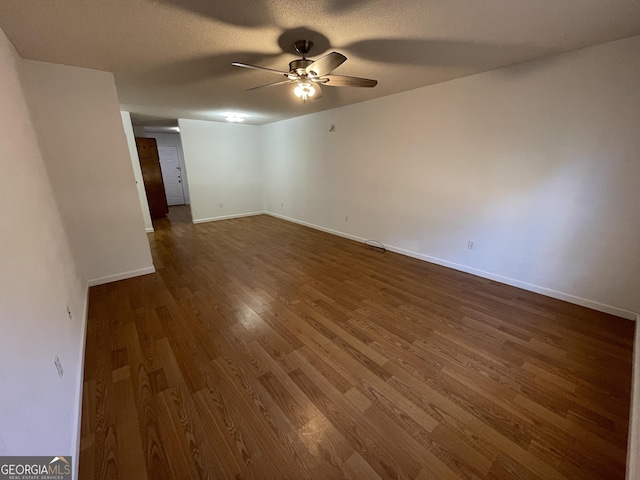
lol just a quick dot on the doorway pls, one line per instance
(169, 168)
(171, 174)
(152, 176)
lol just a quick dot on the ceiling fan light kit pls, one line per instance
(308, 75)
(304, 90)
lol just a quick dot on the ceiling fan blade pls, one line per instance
(326, 64)
(343, 81)
(257, 67)
(271, 84)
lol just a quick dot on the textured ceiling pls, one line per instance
(172, 58)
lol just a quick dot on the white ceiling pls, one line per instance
(172, 58)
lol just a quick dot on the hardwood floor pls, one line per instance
(262, 349)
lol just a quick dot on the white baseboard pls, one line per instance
(149, 230)
(121, 276)
(318, 227)
(633, 445)
(585, 302)
(75, 435)
(226, 217)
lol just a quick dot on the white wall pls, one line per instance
(173, 140)
(77, 118)
(538, 164)
(39, 412)
(223, 166)
(137, 171)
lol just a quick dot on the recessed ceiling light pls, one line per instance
(234, 117)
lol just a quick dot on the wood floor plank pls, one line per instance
(262, 349)
(219, 426)
(356, 468)
(179, 436)
(157, 458)
(261, 440)
(130, 453)
(388, 461)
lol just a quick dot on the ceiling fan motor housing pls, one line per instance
(303, 46)
(299, 67)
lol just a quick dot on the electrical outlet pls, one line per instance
(221, 205)
(471, 245)
(58, 365)
(69, 313)
(282, 204)
(346, 218)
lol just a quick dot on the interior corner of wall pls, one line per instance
(633, 448)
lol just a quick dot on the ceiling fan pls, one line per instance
(308, 74)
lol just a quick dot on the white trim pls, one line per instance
(317, 227)
(567, 297)
(633, 445)
(121, 276)
(75, 434)
(226, 217)
(585, 302)
(149, 230)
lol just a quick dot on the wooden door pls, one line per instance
(171, 174)
(152, 176)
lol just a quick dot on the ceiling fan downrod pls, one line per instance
(303, 47)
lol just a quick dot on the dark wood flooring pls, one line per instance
(263, 349)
